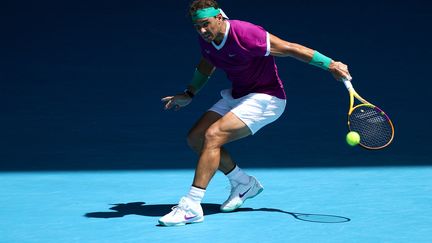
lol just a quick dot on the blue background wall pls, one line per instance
(80, 83)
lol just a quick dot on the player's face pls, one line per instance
(209, 28)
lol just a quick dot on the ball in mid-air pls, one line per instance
(353, 138)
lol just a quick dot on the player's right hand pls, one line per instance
(176, 101)
(339, 71)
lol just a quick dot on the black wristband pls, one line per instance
(189, 93)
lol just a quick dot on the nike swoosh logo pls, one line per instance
(241, 195)
(187, 218)
(231, 55)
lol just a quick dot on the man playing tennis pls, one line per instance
(246, 53)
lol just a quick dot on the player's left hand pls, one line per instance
(339, 71)
(176, 101)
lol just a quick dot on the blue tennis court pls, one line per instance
(389, 204)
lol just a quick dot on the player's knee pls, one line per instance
(213, 137)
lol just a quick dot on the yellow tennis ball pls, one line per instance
(353, 138)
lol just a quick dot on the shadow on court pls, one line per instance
(158, 210)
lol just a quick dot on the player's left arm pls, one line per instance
(282, 48)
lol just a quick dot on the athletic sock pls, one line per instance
(238, 175)
(196, 194)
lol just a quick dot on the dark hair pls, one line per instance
(200, 4)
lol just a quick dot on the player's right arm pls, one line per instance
(202, 73)
(282, 48)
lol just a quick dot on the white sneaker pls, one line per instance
(241, 192)
(186, 212)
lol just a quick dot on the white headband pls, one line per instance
(223, 14)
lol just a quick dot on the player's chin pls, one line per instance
(207, 38)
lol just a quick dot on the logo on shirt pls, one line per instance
(232, 55)
(207, 51)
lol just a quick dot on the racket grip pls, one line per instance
(348, 84)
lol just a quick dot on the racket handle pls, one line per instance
(348, 84)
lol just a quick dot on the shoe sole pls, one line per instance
(239, 205)
(180, 224)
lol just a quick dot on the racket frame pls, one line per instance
(354, 95)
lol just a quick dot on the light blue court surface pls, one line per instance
(388, 204)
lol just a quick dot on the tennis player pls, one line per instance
(246, 53)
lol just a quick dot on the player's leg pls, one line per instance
(196, 135)
(227, 129)
(234, 173)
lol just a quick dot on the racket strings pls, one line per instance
(373, 125)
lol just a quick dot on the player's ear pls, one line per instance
(219, 17)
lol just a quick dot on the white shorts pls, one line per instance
(256, 109)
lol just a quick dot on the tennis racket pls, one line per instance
(370, 122)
